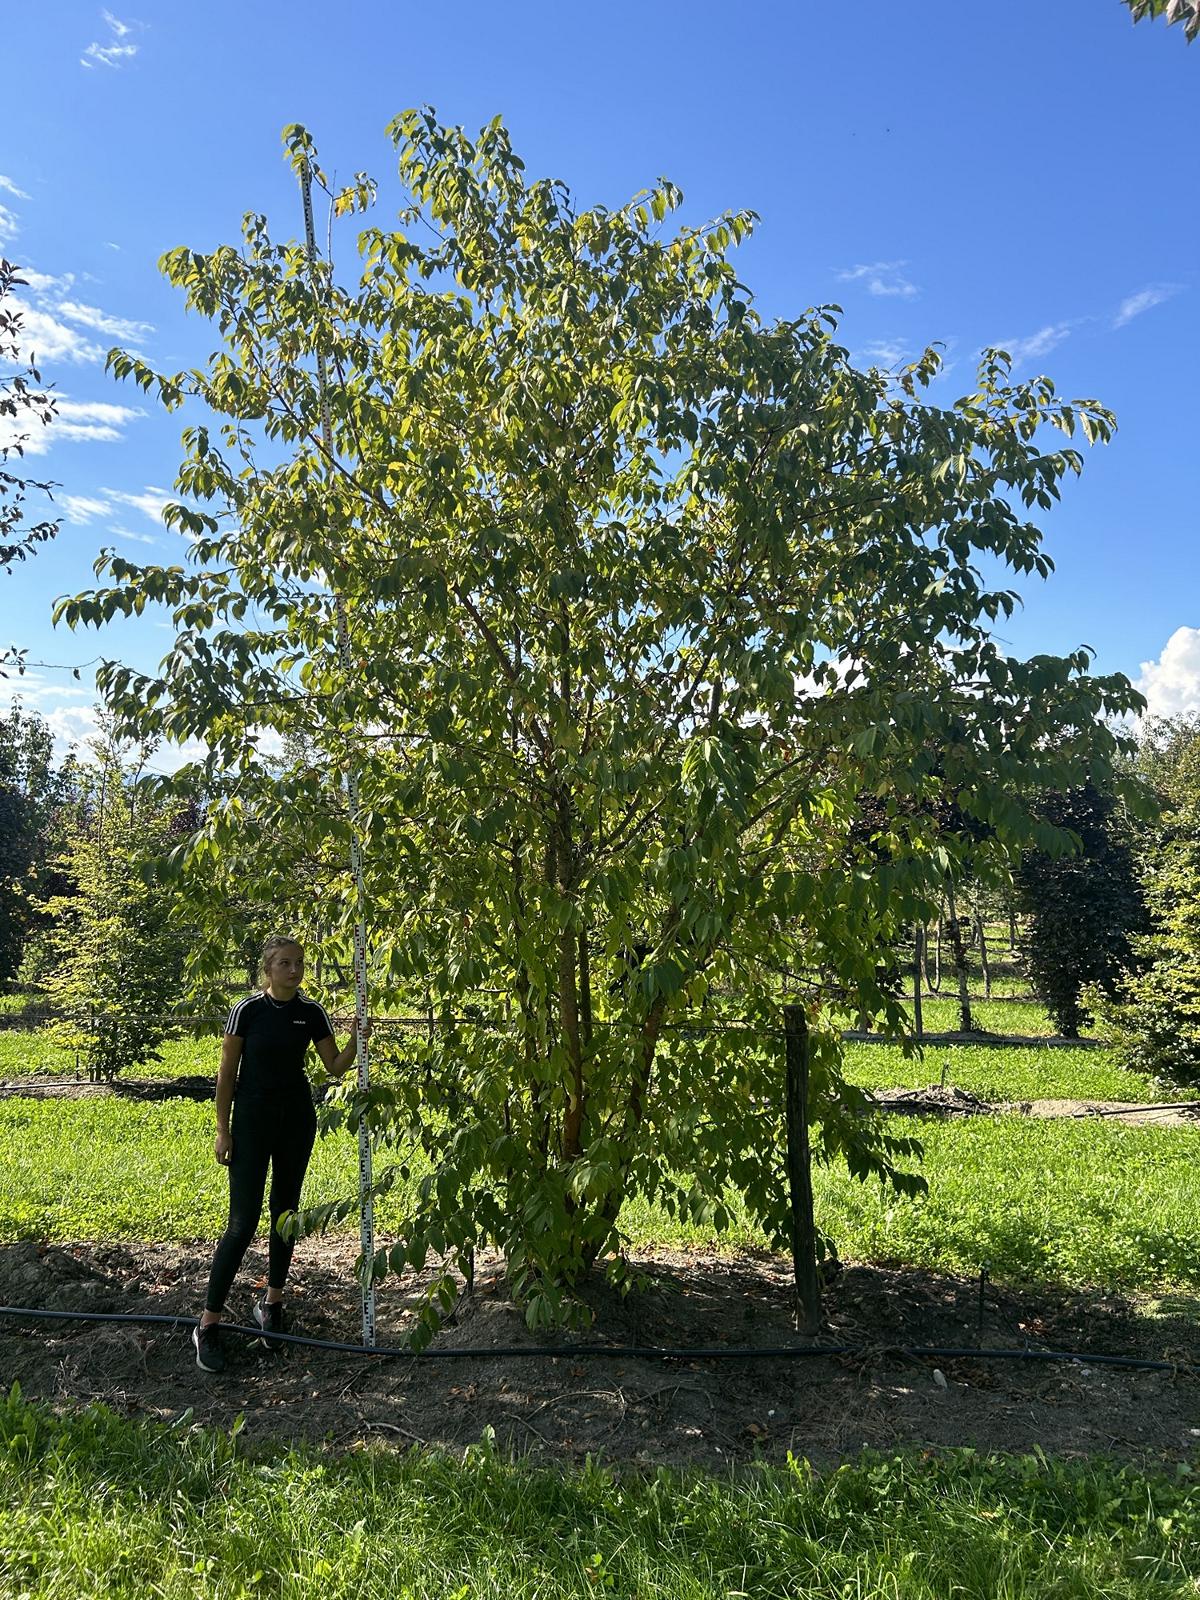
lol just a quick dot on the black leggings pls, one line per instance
(281, 1133)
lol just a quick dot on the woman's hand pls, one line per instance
(338, 1062)
(223, 1149)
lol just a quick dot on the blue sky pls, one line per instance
(1017, 174)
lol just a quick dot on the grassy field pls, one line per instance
(35, 1052)
(1024, 1017)
(1071, 1202)
(1001, 1072)
(99, 1505)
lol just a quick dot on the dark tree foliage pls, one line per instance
(1083, 908)
(22, 401)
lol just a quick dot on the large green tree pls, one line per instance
(641, 592)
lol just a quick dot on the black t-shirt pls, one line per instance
(276, 1033)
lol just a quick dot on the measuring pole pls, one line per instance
(366, 1209)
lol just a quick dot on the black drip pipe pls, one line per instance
(619, 1351)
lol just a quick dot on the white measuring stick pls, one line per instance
(366, 1202)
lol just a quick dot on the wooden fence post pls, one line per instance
(799, 1171)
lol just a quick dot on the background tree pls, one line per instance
(1156, 1019)
(1083, 906)
(118, 945)
(33, 795)
(642, 593)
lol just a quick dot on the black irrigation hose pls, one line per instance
(622, 1352)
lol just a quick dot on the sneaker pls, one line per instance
(269, 1316)
(207, 1343)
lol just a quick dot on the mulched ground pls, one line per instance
(561, 1407)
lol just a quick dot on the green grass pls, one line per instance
(36, 1053)
(96, 1505)
(1075, 1203)
(1026, 1017)
(1079, 1203)
(1005, 1073)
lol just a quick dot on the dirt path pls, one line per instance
(932, 1101)
(949, 1101)
(561, 1406)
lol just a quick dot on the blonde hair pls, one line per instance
(276, 943)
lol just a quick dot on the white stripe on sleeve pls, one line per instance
(234, 1015)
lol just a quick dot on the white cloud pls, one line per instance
(885, 353)
(1152, 295)
(100, 421)
(101, 321)
(1171, 684)
(56, 329)
(44, 282)
(110, 55)
(1036, 345)
(97, 420)
(81, 508)
(138, 538)
(9, 227)
(44, 338)
(114, 53)
(880, 278)
(151, 502)
(71, 725)
(36, 690)
(10, 188)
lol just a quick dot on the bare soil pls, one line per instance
(51, 1086)
(561, 1406)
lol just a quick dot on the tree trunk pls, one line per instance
(954, 928)
(918, 973)
(983, 955)
(568, 998)
(585, 987)
(936, 982)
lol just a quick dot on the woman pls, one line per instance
(262, 1058)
